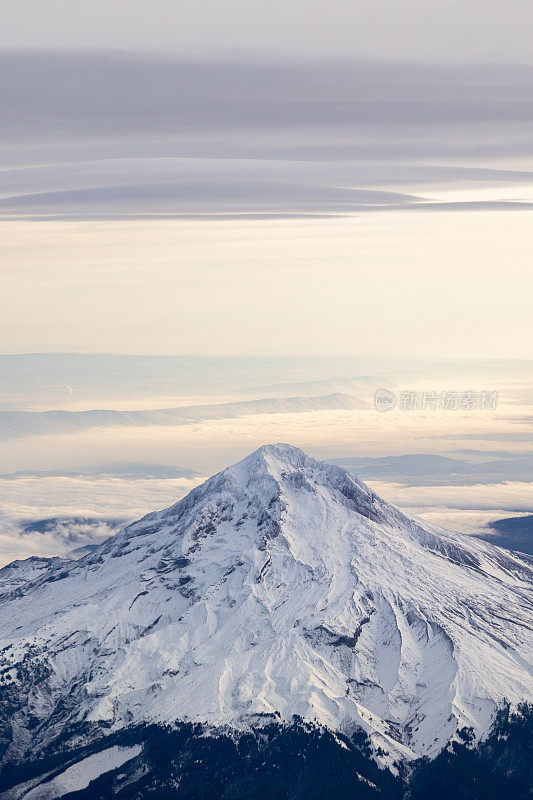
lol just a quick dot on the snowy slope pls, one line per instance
(280, 586)
(80, 775)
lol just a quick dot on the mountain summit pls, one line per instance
(281, 586)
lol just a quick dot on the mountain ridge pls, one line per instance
(281, 586)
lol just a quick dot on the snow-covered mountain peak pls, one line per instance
(281, 586)
(277, 460)
(281, 462)
(268, 478)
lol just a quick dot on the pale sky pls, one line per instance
(491, 31)
(448, 283)
(238, 178)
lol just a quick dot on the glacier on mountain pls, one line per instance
(281, 586)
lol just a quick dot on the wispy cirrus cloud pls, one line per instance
(99, 135)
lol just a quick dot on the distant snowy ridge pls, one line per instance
(28, 423)
(281, 586)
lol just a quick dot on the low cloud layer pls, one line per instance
(14, 424)
(71, 512)
(507, 497)
(50, 516)
(70, 477)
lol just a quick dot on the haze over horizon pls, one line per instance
(272, 186)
